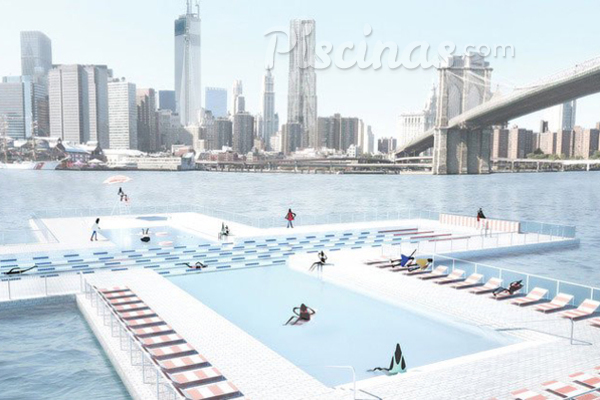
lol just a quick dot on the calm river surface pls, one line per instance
(562, 198)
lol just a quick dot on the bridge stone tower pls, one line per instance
(464, 83)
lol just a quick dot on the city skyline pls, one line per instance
(376, 96)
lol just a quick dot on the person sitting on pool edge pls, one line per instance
(198, 265)
(513, 288)
(303, 313)
(145, 235)
(419, 263)
(319, 264)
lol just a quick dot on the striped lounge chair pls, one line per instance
(455, 276)
(585, 309)
(563, 390)
(200, 376)
(472, 281)
(183, 363)
(219, 390)
(526, 394)
(587, 380)
(559, 302)
(489, 287)
(535, 296)
(438, 272)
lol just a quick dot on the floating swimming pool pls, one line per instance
(47, 351)
(159, 236)
(350, 329)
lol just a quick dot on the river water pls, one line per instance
(569, 198)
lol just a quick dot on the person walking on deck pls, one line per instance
(481, 221)
(95, 229)
(290, 216)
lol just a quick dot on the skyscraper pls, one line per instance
(237, 90)
(166, 100)
(147, 128)
(97, 90)
(122, 115)
(69, 103)
(268, 127)
(16, 105)
(187, 65)
(36, 53)
(562, 116)
(243, 132)
(216, 101)
(302, 80)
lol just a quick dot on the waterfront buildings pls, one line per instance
(268, 125)
(216, 101)
(337, 132)
(237, 90)
(187, 66)
(147, 127)
(223, 133)
(170, 130)
(387, 145)
(16, 106)
(97, 99)
(413, 124)
(122, 115)
(166, 100)
(585, 142)
(291, 137)
(302, 80)
(243, 132)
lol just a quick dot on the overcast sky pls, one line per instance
(135, 39)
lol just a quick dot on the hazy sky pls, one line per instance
(135, 39)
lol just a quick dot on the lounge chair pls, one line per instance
(152, 330)
(181, 363)
(200, 376)
(535, 296)
(217, 390)
(559, 302)
(489, 287)
(137, 314)
(526, 394)
(585, 309)
(125, 300)
(455, 276)
(399, 268)
(587, 380)
(144, 322)
(472, 281)
(114, 289)
(130, 307)
(563, 390)
(163, 353)
(438, 272)
(162, 340)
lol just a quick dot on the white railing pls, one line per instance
(137, 356)
(33, 286)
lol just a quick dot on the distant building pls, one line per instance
(387, 145)
(166, 100)
(415, 124)
(275, 143)
(370, 148)
(520, 143)
(216, 101)
(500, 143)
(69, 103)
(147, 126)
(122, 115)
(16, 106)
(337, 132)
(97, 99)
(564, 139)
(302, 80)
(240, 104)
(170, 130)
(562, 116)
(237, 90)
(585, 142)
(268, 126)
(243, 132)
(291, 137)
(187, 66)
(223, 133)
(36, 53)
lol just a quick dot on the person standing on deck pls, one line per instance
(290, 216)
(95, 229)
(481, 221)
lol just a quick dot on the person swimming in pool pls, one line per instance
(303, 313)
(198, 265)
(18, 270)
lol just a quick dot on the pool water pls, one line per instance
(48, 352)
(349, 329)
(159, 236)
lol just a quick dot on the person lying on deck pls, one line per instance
(513, 288)
(420, 263)
(18, 270)
(198, 265)
(303, 313)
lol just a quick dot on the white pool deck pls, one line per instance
(543, 352)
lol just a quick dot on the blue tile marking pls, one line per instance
(250, 251)
(227, 253)
(378, 241)
(237, 247)
(289, 254)
(155, 248)
(189, 251)
(265, 256)
(376, 245)
(297, 247)
(249, 241)
(313, 251)
(80, 266)
(271, 240)
(106, 258)
(329, 236)
(324, 240)
(360, 242)
(354, 248)
(152, 266)
(127, 251)
(171, 258)
(45, 269)
(134, 255)
(238, 258)
(112, 263)
(212, 260)
(305, 242)
(224, 266)
(119, 269)
(291, 238)
(71, 255)
(335, 249)
(348, 234)
(142, 260)
(365, 233)
(89, 272)
(75, 261)
(204, 245)
(163, 253)
(42, 263)
(180, 247)
(99, 253)
(319, 246)
(48, 276)
(274, 249)
(41, 258)
(163, 272)
(278, 261)
(252, 263)
(9, 260)
(311, 237)
(200, 255)
(261, 245)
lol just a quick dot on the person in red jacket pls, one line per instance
(290, 216)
